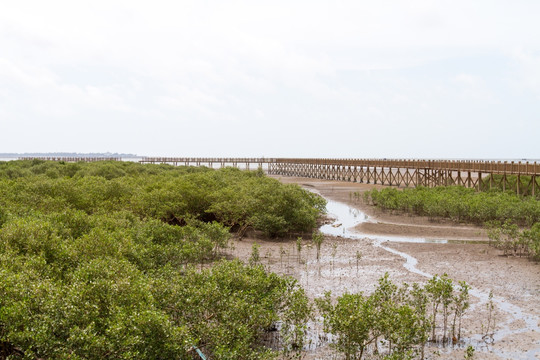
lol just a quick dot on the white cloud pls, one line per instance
(231, 69)
(473, 87)
(528, 65)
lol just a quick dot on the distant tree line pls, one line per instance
(66, 154)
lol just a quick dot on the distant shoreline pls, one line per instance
(67, 154)
(15, 156)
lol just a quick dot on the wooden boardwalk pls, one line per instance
(207, 161)
(519, 176)
(71, 159)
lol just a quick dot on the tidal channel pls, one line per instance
(346, 218)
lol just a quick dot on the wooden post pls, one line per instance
(478, 185)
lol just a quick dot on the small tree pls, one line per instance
(299, 248)
(419, 299)
(461, 304)
(446, 289)
(490, 326)
(318, 239)
(434, 292)
(298, 311)
(334, 253)
(358, 258)
(351, 320)
(383, 300)
(396, 315)
(255, 257)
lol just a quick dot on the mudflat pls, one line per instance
(355, 265)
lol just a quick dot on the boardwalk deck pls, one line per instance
(392, 172)
(71, 159)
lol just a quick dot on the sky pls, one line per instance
(339, 79)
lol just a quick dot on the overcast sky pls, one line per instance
(350, 79)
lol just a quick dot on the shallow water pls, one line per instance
(346, 218)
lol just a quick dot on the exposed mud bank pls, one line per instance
(365, 244)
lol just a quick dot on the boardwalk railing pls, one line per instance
(71, 159)
(393, 172)
(210, 161)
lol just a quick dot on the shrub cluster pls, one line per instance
(522, 183)
(101, 261)
(395, 322)
(502, 212)
(174, 195)
(459, 203)
(513, 240)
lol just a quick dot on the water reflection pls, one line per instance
(347, 218)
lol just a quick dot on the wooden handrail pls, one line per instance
(495, 167)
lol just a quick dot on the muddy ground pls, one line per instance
(353, 265)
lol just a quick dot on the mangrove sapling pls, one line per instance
(298, 311)
(299, 247)
(490, 326)
(232, 249)
(419, 300)
(434, 290)
(307, 274)
(446, 299)
(469, 353)
(461, 304)
(493, 231)
(255, 257)
(512, 235)
(524, 244)
(531, 238)
(382, 299)
(268, 254)
(350, 319)
(334, 253)
(406, 330)
(318, 239)
(358, 258)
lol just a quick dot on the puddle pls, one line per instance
(347, 218)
